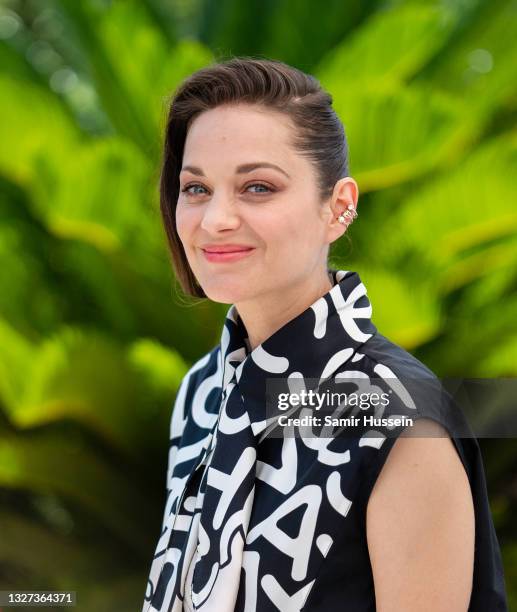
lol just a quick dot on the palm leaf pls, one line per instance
(390, 47)
(48, 461)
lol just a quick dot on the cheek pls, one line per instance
(274, 230)
(303, 233)
(280, 237)
(185, 222)
(299, 225)
(287, 232)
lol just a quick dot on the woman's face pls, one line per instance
(230, 198)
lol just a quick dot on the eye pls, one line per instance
(186, 191)
(268, 189)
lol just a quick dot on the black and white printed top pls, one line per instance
(258, 522)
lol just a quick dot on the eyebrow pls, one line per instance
(242, 169)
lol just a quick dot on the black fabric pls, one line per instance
(294, 536)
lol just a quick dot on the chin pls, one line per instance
(224, 294)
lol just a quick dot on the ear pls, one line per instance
(345, 192)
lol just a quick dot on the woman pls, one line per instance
(254, 189)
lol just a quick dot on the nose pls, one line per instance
(219, 214)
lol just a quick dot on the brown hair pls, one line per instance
(319, 136)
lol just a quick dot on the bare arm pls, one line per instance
(420, 527)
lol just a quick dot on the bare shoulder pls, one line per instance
(420, 525)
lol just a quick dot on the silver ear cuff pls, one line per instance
(349, 215)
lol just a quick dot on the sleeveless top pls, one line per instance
(255, 521)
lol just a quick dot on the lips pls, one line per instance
(226, 253)
(231, 248)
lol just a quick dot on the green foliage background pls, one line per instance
(94, 338)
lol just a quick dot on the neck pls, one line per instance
(267, 313)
